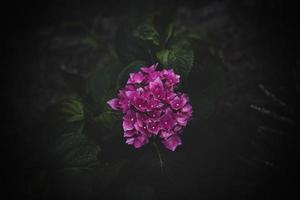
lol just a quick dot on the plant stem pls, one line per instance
(159, 156)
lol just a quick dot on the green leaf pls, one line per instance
(147, 32)
(99, 85)
(132, 67)
(73, 148)
(130, 48)
(179, 56)
(71, 110)
(74, 168)
(108, 119)
(169, 32)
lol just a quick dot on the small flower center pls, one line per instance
(177, 104)
(166, 123)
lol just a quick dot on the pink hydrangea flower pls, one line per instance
(152, 107)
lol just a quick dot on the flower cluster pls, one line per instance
(152, 107)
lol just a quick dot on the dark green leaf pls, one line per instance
(108, 119)
(130, 48)
(169, 32)
(179, 56)
(132, 67)
(100, 85)
(71, 110)
(147, 32)
(73, 148)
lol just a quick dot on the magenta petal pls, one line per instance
(130, 140)
(140, 141)
(142, 128)
(167, 121)
(153, 75)
(124, 101)
(153, 127)
(179, 102)
(127, 126)
(157, 83)
(137, 144)
(177, 129)
(172, 142)
(182, 119)
(131, 94)
(171, 78)
(152, 104)
(166, 133)
(150, 68)
(155, 115)
(114, 103)
(170, 96)
(136, 78)
(157, 89)
(139, 103)
(130, 116)
(187, 108)
(152, 107)
(130, 133)
(176, 103)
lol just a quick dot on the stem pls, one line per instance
(151, 56)
(159, 156)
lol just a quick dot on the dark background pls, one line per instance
(224, 157)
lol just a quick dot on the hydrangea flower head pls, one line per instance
(153, 107)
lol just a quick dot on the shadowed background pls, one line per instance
(242, 142)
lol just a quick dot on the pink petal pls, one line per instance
(172, 142)
(130, 140)
(136, 77)
(127, 126)
(114, 103)
(150, 68)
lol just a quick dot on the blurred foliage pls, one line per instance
(82, 157)
(130, 68)
(147, 32)
(70, 110)
(72, 148)
(76, 147)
